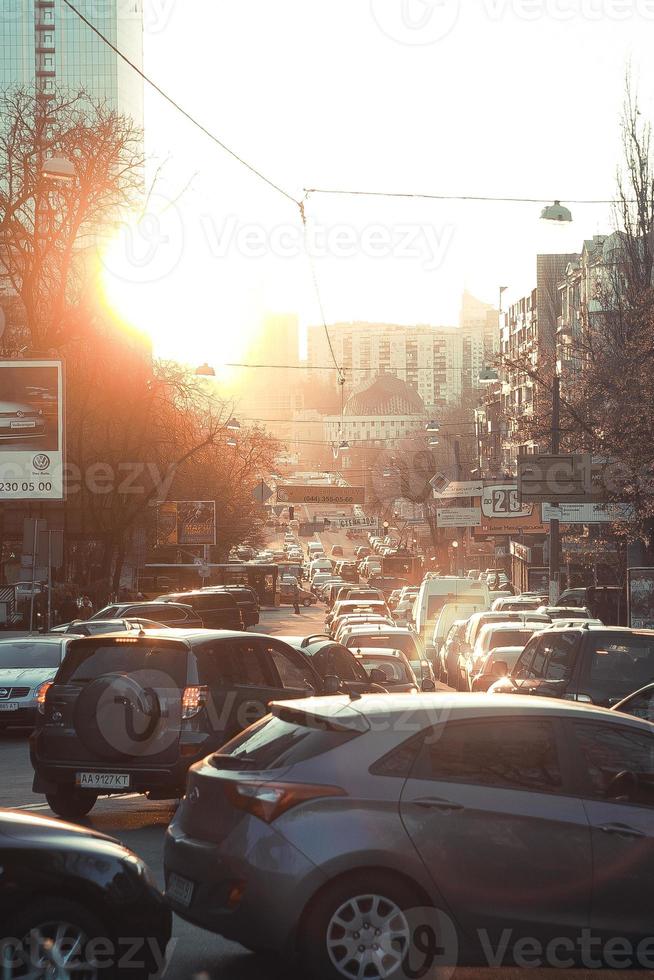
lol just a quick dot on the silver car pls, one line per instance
(18, 420)
(27, 666)
(374, 835)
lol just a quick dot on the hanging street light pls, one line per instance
(205, 371)
(432, 426)
(234, 425)
(556, 212)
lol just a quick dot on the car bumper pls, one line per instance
(25, 716)
(251, 889)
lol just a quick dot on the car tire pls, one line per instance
(71, 803)
(47, 915)
(320, 952)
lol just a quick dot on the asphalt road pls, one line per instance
(141, 824)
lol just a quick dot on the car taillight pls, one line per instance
(41, 692)
(193, 700)
(269, 800)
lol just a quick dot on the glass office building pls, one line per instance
(44, 44)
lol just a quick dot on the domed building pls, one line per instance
(381, 409)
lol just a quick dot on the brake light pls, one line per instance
(41, 692)
(268, 801)
(193, 700)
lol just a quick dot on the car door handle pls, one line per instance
(435, 803)
(621, 830)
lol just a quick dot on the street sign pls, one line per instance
(439, 483)
(262, 492)
(588, 513)
(467, 488)
(562, 478)
(344, 522)
(458, 517)
(502, 512)
(295, 493)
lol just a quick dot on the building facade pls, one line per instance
(45, 45)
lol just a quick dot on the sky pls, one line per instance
(499, 98)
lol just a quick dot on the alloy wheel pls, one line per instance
(50, 951)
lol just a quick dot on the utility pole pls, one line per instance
(555, 536)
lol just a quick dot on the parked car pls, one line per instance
(358, 798)
(27, 666)
(132, 713)
(217, 610)
(174, 614)
(493, 666)
(595, 664)
(69, 894)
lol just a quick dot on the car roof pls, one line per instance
(432, 708)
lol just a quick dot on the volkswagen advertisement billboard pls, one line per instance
(31, 430)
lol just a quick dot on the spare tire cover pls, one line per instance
(128, 715)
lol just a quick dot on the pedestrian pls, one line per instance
(295, 594)
(86, 610)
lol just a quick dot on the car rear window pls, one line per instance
(86, 661)
(395, 670)
(273, 743)
(509, 638)
(391, 642)
(27, 653)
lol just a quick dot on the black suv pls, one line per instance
(596, 664)
(218, 610)
(132, 712)
(246, 598)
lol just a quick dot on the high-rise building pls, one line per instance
(45, 45)
(479, 323)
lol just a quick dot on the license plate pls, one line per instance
(180, 890)
(26, 424)
(102, 780)
(9, 706)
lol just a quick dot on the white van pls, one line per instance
(315, 548)
(447, 616)
(437, 591)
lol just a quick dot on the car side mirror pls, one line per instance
(428, 686)
(500, 668)
(332, 684)
(378, 676)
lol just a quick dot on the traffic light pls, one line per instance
(291, 513)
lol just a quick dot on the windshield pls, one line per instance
(436, 602)
(26, 653)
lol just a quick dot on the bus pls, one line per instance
(157, 579)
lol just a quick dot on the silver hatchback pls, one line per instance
(384, 835)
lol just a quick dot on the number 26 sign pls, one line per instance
(501, 502)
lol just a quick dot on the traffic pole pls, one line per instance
(555, 535)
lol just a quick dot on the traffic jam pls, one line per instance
(409, 771)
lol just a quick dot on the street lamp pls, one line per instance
(432, 426)
(232, 443)
(488, 376)
(434, 442)
(59, 168)
(234, 425)
(205, 371)
(556, 212)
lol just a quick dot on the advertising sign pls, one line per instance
(502, 511)
(31, 430)
(640, 585)
(187, 522)
(295, 493)
(588, 513)
(458, 517)
(561, 478)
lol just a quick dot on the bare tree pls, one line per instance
(45, 224)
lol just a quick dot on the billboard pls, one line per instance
(295, 493)
(186, 522)
(502, 511)
(31, 430)
(640, 585)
